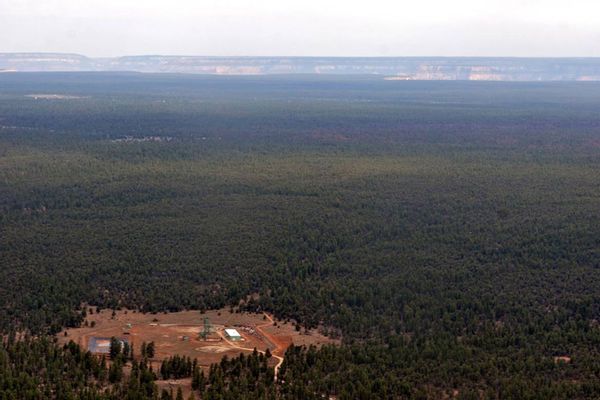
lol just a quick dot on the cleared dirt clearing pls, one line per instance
(178, 333)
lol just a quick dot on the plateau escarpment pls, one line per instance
(393, 68)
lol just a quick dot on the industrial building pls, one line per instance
(232, 334)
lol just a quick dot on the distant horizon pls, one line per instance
(83, 54)
(394, 68)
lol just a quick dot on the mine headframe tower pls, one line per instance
(207, 329)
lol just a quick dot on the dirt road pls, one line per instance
(279, 345)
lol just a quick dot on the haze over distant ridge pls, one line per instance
(393, 68)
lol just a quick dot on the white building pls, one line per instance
(232, 334)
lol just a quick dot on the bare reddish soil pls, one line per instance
(178, 333)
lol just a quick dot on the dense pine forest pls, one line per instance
(448, 232)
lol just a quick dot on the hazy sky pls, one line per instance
(307, 27)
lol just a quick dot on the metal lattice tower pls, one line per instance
(207, 329)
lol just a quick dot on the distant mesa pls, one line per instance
(390, 68)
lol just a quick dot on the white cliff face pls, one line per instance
(399, 68)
